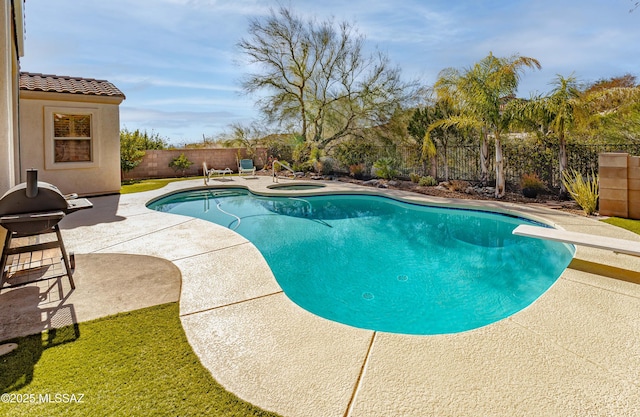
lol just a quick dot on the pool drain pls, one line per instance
(367, 296)
(402, 277)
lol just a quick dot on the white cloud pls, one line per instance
(174, 59)
(179, 126)
(151, 81)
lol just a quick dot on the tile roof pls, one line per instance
(71, 85)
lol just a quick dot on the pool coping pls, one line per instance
(571, 352)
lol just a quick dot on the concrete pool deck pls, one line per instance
(573, 352)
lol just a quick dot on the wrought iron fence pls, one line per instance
(463, 162)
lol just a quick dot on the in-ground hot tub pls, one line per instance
(298, 186)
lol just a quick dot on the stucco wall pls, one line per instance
(156, 163)
(101, 178)
(8, 98)
(619, 185)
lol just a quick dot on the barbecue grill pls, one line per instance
(35, 208)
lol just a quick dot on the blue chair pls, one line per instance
(245, 166)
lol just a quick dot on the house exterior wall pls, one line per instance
(155, 163)
(103, 175)
(10, 50)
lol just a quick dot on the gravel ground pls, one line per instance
(470, 192)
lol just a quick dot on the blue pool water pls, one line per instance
(377, 263)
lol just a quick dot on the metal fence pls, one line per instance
(463, 162)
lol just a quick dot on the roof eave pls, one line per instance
(77, 97)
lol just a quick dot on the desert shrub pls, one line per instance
(356, 170)
(281, 151)
(458, 185)
(385, 168)
(583, 191)
(427, 181)
(325, 166)
(532, 181)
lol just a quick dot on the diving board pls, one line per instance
(628, 247)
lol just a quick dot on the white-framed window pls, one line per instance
(70, 137)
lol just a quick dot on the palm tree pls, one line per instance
(483, 92)
(612, 107)
(448, 89)
(566, 106)
(561, 107)
(436, 110)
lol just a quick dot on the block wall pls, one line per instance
(634, 187)
(155, 163)
(619, 185)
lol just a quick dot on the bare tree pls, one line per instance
(316, 79)
(244, 136)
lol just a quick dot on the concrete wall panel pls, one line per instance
(619, 185)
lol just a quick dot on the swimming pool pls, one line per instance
(378, 263)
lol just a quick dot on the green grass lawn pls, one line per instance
(130, 364)
(632, 225)
(138, 186)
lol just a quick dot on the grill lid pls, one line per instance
(36, 207)
(32, 196)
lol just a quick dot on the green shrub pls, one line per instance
(584, 192)
(278, 167)
(385, 168)
(354, 152)
(314, 160)
(301, 166)
(130, 156)
(427, 181)
(302, 156)
(131, 151)
(414, 177)
(133, 146)
(181, 163)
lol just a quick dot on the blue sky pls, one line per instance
(177, 63)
